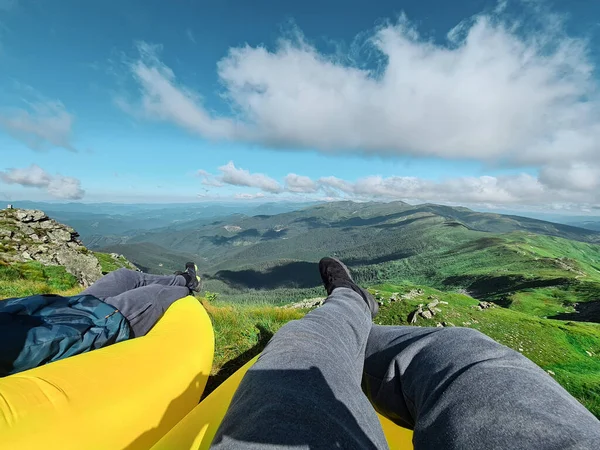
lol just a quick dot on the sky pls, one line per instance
(493, 104)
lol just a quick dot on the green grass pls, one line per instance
(534, 274)
(30, 278)
(554, 345)
(110, 264)
(241, 332)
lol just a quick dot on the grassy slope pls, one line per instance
(535, 274)
(109, 264)
(23, 279)
(242, 331)
(554, 345)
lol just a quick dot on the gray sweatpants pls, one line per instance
(457, 389)
(141, 297)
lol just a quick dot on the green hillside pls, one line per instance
(152, 258)
(310, 233)
(525, 264)
(568, 351)
(30, 278)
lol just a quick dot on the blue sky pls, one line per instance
(127, 100)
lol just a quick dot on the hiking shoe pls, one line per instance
(335, 274)
(194, 283)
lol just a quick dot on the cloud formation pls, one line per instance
(190, 35)
(45, 124)
(300, 184)
(506, 190)
(34, 176)
(164, 99)
(500, 91)
(248, 196)
(234, 176)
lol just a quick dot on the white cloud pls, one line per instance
(576, 176)
(44, 124)
(240, 177)
(247, 196)
(519, 93)
(34, 176)
(506, 190)
(208, 179)
(190, 35)
(300, 184)
(336, 184)
(521, 188)
(162, 98)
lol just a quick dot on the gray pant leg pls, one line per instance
(304, 391)
(460, 389)
(122, 280)
(144, 306)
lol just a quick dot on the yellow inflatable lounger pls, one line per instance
(197, 430)
(126, 396)
(138, 394)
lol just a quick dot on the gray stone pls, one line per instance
(85, 268)
(60, 235)
(21, 214)
(38, 215)
(427, 314)
(433, 304)
(34, 236)
(304, 304)
(47, 225)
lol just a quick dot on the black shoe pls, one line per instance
(335, 274)
(194, 283)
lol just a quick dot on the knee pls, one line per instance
(464, 338)
(463, 334)
(459, 341)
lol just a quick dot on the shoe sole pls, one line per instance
(341, 264)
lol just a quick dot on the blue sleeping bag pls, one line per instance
(40, 329)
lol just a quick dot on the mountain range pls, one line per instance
(273, 257)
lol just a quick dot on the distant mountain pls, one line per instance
(488, 254)
(587, 224)
(151, 257)
(102, 224)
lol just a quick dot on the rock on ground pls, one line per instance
(30, 235)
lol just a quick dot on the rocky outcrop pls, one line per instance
(427, 312)
(307, 303)
(30, 235)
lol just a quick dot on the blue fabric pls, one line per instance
(40, 329)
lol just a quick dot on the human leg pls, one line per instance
(123, 280)
(459, 389)
(144, 306)
(305, 388)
